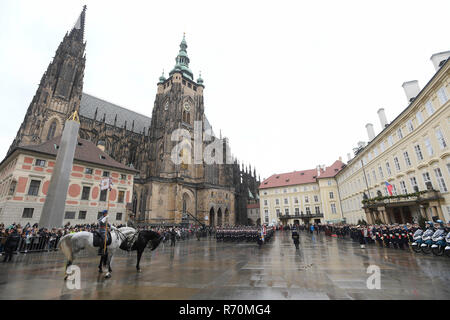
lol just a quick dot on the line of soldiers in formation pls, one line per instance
(244, 234)
(394, 235)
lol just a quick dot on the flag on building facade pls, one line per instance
(106, 183)
(388, 187)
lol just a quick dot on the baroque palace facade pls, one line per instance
(411, 153)
(163, 192)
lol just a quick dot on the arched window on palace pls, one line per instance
(51, 130)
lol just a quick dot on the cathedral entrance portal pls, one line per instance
(211, 217)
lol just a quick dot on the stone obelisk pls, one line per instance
(52, 215)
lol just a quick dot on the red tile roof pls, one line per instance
(301, 177)
(85, 151)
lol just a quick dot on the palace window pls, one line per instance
(306, 199)
(440, 179)
(295, 200)
(390, 141)
(399, 133)
(34, 188)
(277, 202)
(397, 164)
(86, 192)
(442, 95)
(374, 176)
(419, 117)
(333, 208)
(403, 187)
(106, 173)
(121, 196)
(40, 163)
(308, 210)
(278, 212)
(428, 146)
(317, 209)
(418, 152)
(119, 216)
(429, 108)
(69, 215)
(286, 201)
(407, 160)
(316, 199)
(380, 170)
(440, 138)
(12, 187)
(27, 213)
(103, 194)
(426, 178)
(413, 183)
(388, 169)
(331, 195)
(265, 202)
(123, 176)
(82, 215)
(286, 211)
(409, 124)
(88, 171)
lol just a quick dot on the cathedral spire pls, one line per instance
(78, 29)
(182, 61)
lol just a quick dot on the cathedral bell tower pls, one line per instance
(59, 92)
(178, 105)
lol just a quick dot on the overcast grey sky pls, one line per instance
(290, 83)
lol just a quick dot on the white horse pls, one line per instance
(73, 243)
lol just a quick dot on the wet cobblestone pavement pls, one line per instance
(324, 268)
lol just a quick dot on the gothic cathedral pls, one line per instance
(175, 184)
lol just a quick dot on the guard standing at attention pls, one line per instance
(103, 231)
(296, 238)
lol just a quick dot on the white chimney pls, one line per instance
(340, 158)
(370, 132)
(439, 58)
(318, 170)
(412, 89)
(383, 120)
(349, 156)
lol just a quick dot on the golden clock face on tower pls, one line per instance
(166, 105)
(187, 106)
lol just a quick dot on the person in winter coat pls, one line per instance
(11, 244)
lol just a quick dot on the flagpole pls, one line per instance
(365, 178)
(107, 210)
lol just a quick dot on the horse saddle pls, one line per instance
(99, 241)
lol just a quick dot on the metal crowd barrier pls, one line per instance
(33, 244)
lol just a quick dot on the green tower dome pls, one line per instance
(182, 61)
(162, 78)
(200, 80)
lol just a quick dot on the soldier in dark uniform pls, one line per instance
(104, 226)
(295, 237)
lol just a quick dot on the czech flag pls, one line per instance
(389, 187)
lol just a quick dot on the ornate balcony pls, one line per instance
(300, 216)
(415, 198)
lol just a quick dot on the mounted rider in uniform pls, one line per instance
(104, 226)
